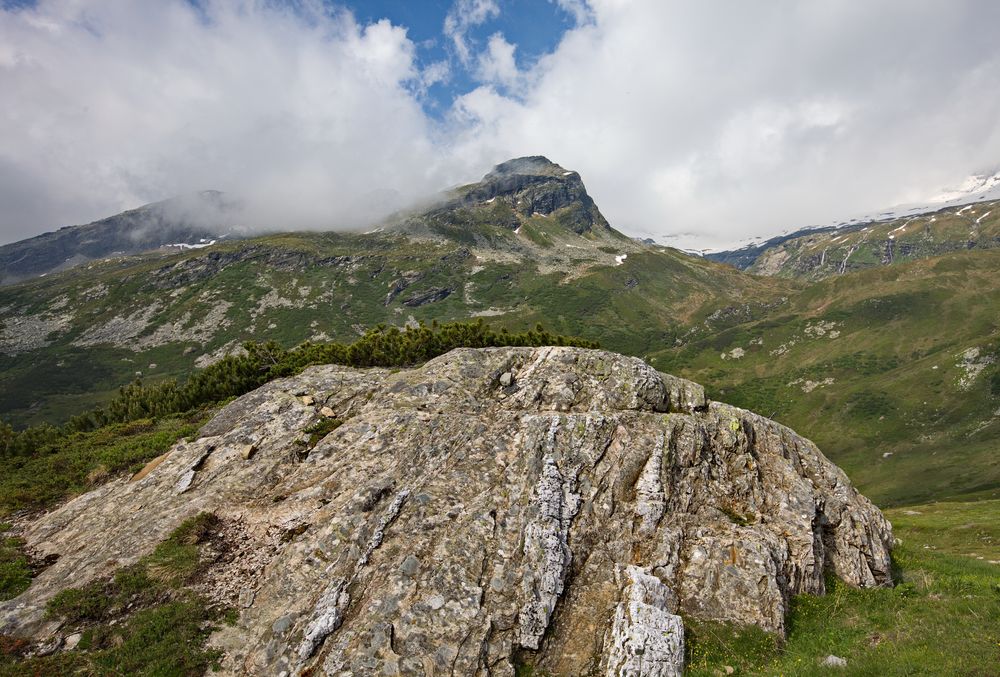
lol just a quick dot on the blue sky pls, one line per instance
(700, 124)
(534, 26)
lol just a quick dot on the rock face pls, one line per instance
(555, 506)
(517, 190)
(536, 185)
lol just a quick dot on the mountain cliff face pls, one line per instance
(552, 507)
(548, 201)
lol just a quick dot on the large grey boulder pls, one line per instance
(553, 505)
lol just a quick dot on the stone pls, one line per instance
(282, 625)
(568, 521)
(247, 451)
(328, 412)
(506, 379)
(72, 641)
(410, 565)
(832, 661)
(307, 400)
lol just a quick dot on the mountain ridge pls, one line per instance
(184, 221)
(552, 258)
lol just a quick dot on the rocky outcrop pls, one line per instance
(431, 295)
(536, 185)
(553, 505)
(510, 194)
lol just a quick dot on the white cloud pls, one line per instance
(715, 120)
(110, 105)
(466, 14)
(497, 64)
(579, 9)
(725, 120)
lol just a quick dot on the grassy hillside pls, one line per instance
(829, 252)
(894, 372)
(68, 341)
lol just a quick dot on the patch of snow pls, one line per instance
(201, 243)
(517, 231)
(892, 237)
(491, 200)
(984, 216)
(620, 259)
(963, 209)
(567, 173)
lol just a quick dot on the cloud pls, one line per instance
(712, 121)
(464, 15)
(497, 64)
(722, 121)
(309, 116)
(578, 9)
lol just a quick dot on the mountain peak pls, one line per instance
(527, 191)
(532, 165)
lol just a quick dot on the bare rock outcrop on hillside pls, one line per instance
(554, 505)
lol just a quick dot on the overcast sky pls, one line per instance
(697, 123)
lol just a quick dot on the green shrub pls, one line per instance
(263, 362)
(76, 462)
(15, 569)
(321, 429)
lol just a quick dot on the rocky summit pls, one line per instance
(552, 507)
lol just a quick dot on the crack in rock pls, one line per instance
(546, 550)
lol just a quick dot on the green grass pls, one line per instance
(942, 618)
(15, 569)
(885, 402)
(79, 462)
(141, 621)
(335, 283)
(321, 429)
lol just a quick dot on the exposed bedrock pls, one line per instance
(554, 505)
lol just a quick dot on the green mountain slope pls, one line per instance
(827, 252)
(68, 341)
(894, 372)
